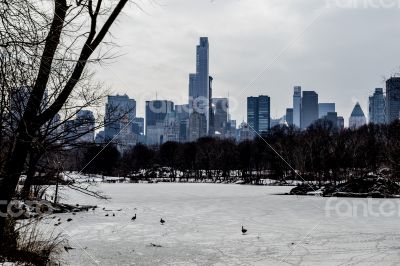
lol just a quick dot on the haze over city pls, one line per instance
(315, 44)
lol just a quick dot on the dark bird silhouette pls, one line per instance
(73, 213)
(107, 215)
(104, 208)
(69, 220)
(162, 221)
(244, 230)
(134, 217)
(113, 214)
(67, 249)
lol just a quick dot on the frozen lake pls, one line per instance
(203, 227)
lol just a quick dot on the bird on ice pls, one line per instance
(67, 248)
(134, 217)
(162, 221)
(244, 230)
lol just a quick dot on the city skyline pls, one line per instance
(199, 87)
(325, 58)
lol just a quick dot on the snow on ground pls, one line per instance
(203, 227)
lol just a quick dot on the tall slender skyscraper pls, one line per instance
(199, 92)
(392, 99)
(297, 106)
(309, 108)
(211, 117)
(376, 107)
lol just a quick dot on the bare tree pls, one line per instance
(48, 47)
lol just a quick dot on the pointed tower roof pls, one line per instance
(357, 111)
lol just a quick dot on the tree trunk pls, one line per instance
(10, 177)
(28, 125)
(30, 175)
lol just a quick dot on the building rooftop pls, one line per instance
(357, 111)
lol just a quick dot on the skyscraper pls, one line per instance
(259, 113)
(199, 92)
(376, 107)
(220, 112)
(245, 132)
(84, 126)
(171, 127)
(340, 122)
(325, 108)
(392, 99)
(297, 106)
(264, 114)
(192, 90)
(197, 126)
(182, 117)
(199, 83)
(289, 116)
(309, 108)
(333, 118)
(156, 114)
(357, 118)
(252, 112)
(119, 109)
(18, 100)
(138, 126)
(211, 117)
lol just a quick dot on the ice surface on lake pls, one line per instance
(203, 227)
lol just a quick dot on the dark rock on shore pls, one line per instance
(371, 186)
(303, 189)
(375, 187)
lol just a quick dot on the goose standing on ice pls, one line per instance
(162, 221)
(134, 217)
(244, 230)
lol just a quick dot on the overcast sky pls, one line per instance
(256, 47)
